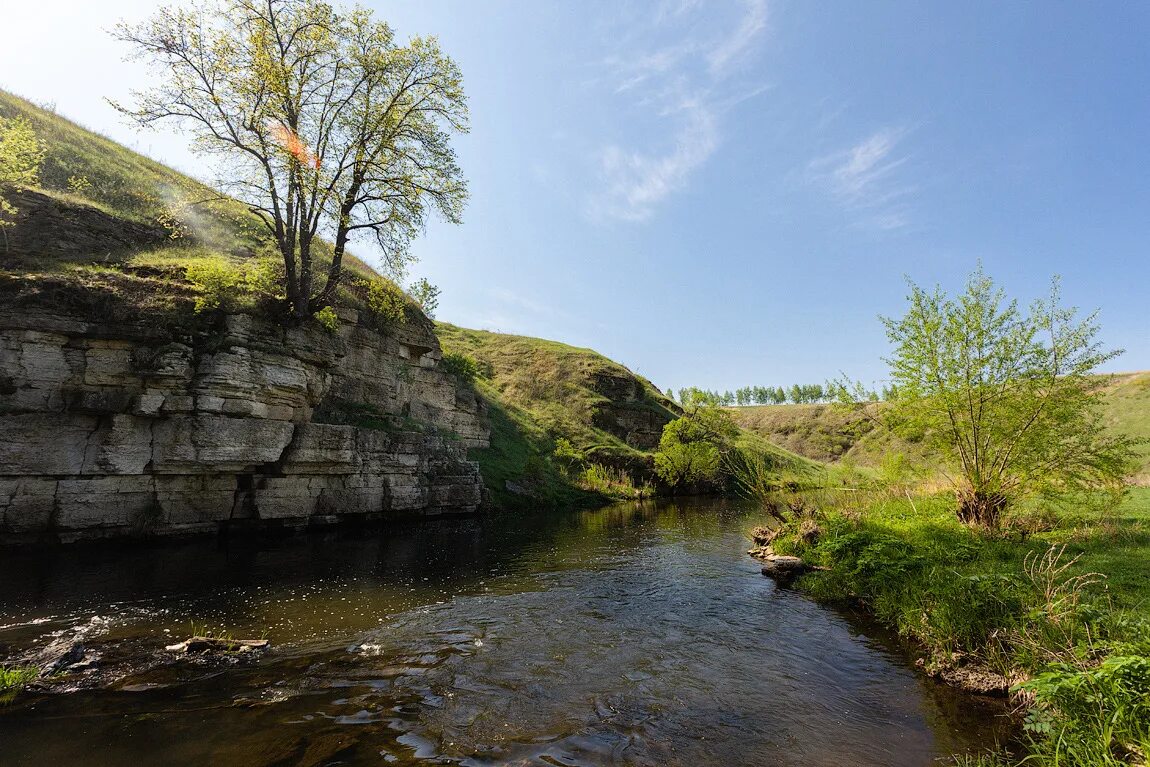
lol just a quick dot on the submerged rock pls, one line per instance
(66, 651)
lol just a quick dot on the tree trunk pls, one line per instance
(981, 508)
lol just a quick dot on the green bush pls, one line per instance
(328, 318)
(1092, 716)
(386, 302)
(218, 283)
(462, 366)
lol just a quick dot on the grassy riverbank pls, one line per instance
(1057, 608)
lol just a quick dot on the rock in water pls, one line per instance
(783, 568)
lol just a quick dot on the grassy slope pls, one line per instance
(538, 391)
(130, 186)
(541, 390)
(826, 433)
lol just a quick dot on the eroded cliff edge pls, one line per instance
(120, 429)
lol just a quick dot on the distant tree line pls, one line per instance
(796, 394)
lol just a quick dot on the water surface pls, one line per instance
(633, 635)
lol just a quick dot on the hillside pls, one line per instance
(114, 232)
(828, 433)
(540, 392)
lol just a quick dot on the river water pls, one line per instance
(634, 635)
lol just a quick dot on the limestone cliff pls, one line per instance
(113, 429)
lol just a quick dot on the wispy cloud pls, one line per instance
(682, 86)
(868, 179)
(732, 48)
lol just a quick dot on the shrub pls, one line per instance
(327, 317)
(426, 295)
(386, 302)
(264, 277)
(21, 154)
(568, 456)
(79, 185)
(462, 366)
(218, 283)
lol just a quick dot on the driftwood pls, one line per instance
(201, 645)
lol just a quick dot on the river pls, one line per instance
(632, 635)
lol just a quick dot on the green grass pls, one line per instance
(830, 433)
(15, 678)
(565, 391)
(1078, 628)
(1128, 412)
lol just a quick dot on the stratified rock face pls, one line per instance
(110, 431)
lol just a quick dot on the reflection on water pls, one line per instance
(637, 635)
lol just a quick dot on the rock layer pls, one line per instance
(113, 430)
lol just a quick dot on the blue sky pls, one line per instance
(728, 193)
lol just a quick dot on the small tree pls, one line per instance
(21, 155)
(1006, 397)
(426, 295)
(692, 448)
(324, 125)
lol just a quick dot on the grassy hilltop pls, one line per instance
(827, 433)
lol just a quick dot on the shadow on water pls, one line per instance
(639, 634)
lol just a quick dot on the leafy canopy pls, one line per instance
(692, 448)
(1004, 395)
(320, 122)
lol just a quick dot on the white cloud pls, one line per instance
(732, 48)
(638, 181)
(683, 86)
(867, 181)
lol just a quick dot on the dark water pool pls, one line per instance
(637, 635)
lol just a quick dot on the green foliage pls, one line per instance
(692, 447)
(386, 302)
(463, 366)
(21, 154)
(328, 318)
(426, 295)
(264, 278)
(218, 284)
(1003, 396)
(79, 185)
(321, 122)
(567, 454)
(1093, 716)
(15, 678)
(613, 483)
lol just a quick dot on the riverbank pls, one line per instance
(1054, 609)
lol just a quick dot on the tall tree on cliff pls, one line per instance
(324, 126)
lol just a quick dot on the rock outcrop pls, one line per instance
(111, 430)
